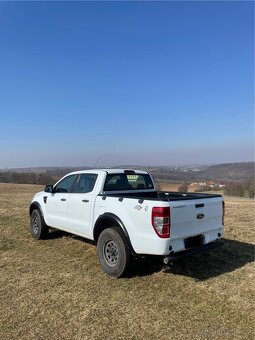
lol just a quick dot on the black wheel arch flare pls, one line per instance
(105, 221)
(33, 206)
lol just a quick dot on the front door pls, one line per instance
(57, 203)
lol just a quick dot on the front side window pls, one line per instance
(118, 182)
(85, 183)
(65, 185)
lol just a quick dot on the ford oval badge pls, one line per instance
(200, 216)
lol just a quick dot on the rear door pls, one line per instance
(57, 202)
(80, 204)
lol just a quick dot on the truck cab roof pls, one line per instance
(110, 171)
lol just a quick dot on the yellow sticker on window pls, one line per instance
(132, 178)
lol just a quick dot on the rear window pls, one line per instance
(118, 182)
(85, 183)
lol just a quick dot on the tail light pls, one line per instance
(223, 212)
(160, 219)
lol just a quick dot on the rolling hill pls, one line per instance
(229, 172)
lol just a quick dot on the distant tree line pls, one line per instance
(26, 178)
(240, 189)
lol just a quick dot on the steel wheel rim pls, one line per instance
(111, 253)
(35, 225)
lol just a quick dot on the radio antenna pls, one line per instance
(96, 162)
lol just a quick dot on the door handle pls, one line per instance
(63, 199)
(85, 201)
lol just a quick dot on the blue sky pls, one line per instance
(149, 83)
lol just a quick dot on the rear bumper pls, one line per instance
(181, 254)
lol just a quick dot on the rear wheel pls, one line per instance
(38, 227)
(113, 252)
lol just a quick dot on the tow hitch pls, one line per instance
(192, 251)
(167, 260)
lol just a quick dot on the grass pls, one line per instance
(55, 289)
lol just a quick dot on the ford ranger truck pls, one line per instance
(125, 215)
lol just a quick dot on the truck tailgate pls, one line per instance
(196, 217)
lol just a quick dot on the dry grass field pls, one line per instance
(164, 186)
(55, 289)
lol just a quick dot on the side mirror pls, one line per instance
(49, 188)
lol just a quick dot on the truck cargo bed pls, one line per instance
(161, 195)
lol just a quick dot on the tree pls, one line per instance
(251, 191)
(235, 189)
(183, 188)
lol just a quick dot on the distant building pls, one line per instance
(198, 184)
(210, 184)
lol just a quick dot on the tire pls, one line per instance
(38, 227)
(113, 251)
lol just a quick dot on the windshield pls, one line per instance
(118, 182)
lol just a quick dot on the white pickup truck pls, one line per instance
(125, 215)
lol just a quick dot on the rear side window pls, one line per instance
(118, 182)
(85, 183)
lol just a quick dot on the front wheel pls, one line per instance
(38, 227)
(113, 252)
